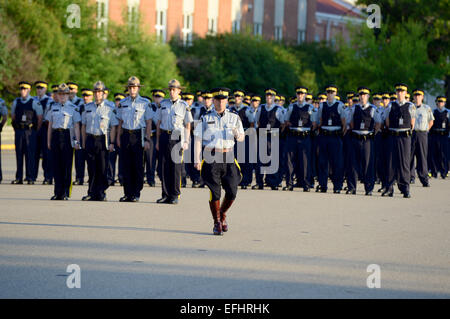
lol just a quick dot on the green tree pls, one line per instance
(380, 62)
(239, 61)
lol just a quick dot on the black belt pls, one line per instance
(61, 129)
(362, 136)
(166, 131)
(400, 133)
(95, 136)
(22, 126)
(131, 131)
(299, 133)
(436, 132)
(331, 133)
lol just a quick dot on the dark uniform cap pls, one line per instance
(256, 98)
(363, 90)
(309, 96)
(239, 93)
(270, 91)
(377, 96)
(418, 92)
(338, 97)
(332, 88)
(86, 92)
(158, 93)
(322, 96)
(393, 96)
(41, 84)
(350, 95)
(24, 85)
(72, 85)
(301, 89)
(207, 95)
(199, 93)
(119, 96)
(401, 87)
(231, 100)
(386, 96)
(441, 98)
(55, 88)
(220, 93)
(355, 98)
(187, 96)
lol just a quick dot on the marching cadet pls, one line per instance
(217, 132)
(54, 94)
(242, 149)
(200, 99)
(151, 154)
(172, 138)
(41, 138)
(382, 136)
(400, 120)
(62, 117)
(268, 118)
(393, 96)
(80, 156)
(247, 99)
(134, 115)
(377, 140)
(3, 118)
(98, 131)
(299, 120)
(331, 120)
(309, 99)
(419, 139)
(346, 139)
(440, 138)
(365, 122)
(187, 169)
(231, 102)
(26, 118)
(315, 138)
(116, 152)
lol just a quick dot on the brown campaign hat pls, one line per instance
(99, 86)
(174, 84)
(63, 88)
(134, 81)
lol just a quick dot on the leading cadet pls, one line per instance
(217, 132)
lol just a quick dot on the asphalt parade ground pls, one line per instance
(280, 244)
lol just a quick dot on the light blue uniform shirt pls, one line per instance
(63, 116)
(37, 107)
(340, 110)
(174, 116)
(134, 113)
(217, 131)
(98, 119)
(424, 115)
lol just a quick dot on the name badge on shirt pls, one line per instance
(300, 123)
(362, 126)
(330, 122)
(268, 126)
(443, 124)
(24, 118)
(400, 121)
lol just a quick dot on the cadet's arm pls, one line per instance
(119, 133)
(83, 135)
(49, 135)
(158, 132)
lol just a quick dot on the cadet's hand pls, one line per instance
(185, 146)
(111, 147)
(77, 146)
(49, 146)
(146, 146)
(197, 166)
(157, 146)
(118, 142)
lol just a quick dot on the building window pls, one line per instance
(133, 14)
(257, 28)
(236, 16)
(161, 25)
(212, 26)
(278, 33)
(301, 21)
(236, 26)
(102, 17)
(187, 29)
(301, 34)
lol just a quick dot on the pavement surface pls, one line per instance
(280, 244)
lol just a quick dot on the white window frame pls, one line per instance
(102, 19)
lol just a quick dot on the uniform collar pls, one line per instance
(26, 99)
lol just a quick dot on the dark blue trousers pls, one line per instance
(25, 143)
(132, 154)
(362, 163)
(97, 164)
(80, 164)
(43, 152)
(62, 153)
(299, 161)
(419, 156)
(440, 152)
(272, 180)
(150, 160)
(331, 155)
(399, 162)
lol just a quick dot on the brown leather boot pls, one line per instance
(226, 204)
(215, 212)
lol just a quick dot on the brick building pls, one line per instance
(291, 21)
